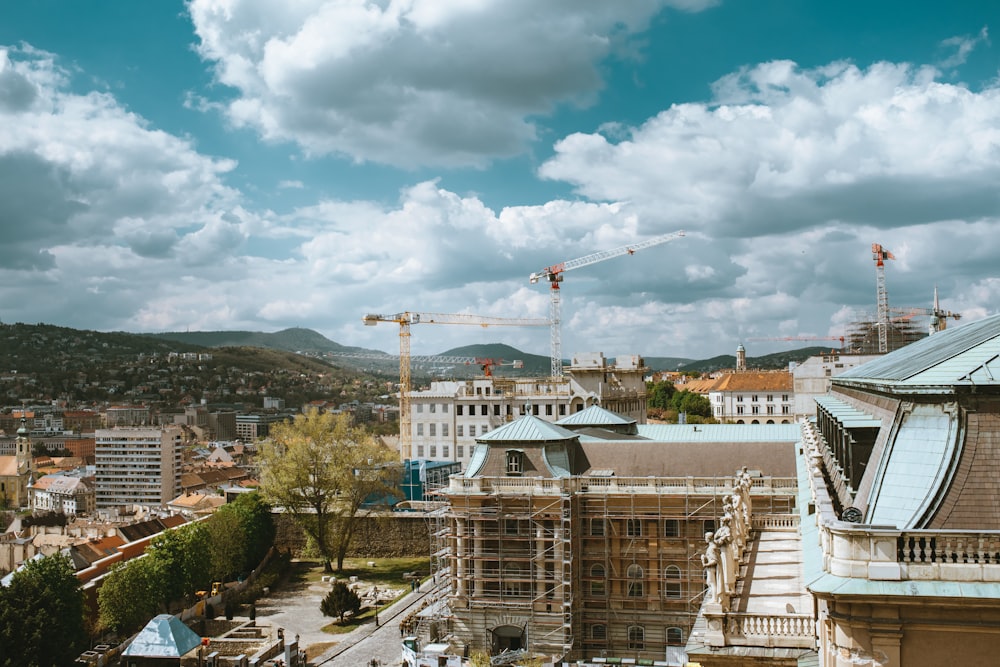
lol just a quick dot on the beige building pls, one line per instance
(580, 539)
(138, 466)
(16, 471)
(449, 417)
(63, 494)
(897, 539)
(753, 397)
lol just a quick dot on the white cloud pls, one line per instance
(963, 46)
(412, 82)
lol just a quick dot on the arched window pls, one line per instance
(636, 637)
(597, 586)
(675, 637)
(672, 582)
(599, 631)
(634, 574)
(515, 462)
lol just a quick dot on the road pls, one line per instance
(367, 642)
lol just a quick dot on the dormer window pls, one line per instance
(515, 462)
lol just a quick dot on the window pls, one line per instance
(636, 637)
(444, 430)
(597, 526)
(534, 410)
(511, 527)
(634, 574)
(785, 409)
(459, 430)
(496, 410)
(432, 430)
(458, 409)
(671, 528)
(420, 451)
(483, 429)
(708, 526)
(753, 399)
(599, 631)
(444, 408)
(460, 451)
(784, 397)
(739, 399)
(770, 397)
(515, 461)
(420, 407)
(672, 581)
(420, 429)
(633, 527)
(434, 451)
(755, 409)
(562, 410)
(512, 580)
(548, 409)
(675, 637)
(484, 410)
(770, 409)
(433, 408)
(597, 585)
(739, 409)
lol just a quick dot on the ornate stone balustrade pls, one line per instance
(612, 485)
(784, 630)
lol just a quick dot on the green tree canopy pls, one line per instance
(339, 601)
(182, 557)
(691, 403)
(130, 595)
(320, 469)
(41, 615)
(658, 394)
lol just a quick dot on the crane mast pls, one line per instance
(880, 254)
(554, 275)
(404, 320)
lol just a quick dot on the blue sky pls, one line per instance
(232, 164)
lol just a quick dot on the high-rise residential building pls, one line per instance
(138, 466)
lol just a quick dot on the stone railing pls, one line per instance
(610, 485)
(788, 522)
(784, 630)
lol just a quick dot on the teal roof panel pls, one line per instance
(165, 636)
(595, 415)
(528, 429)
(914, 467)
(721, 432)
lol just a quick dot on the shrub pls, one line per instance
(339, 601)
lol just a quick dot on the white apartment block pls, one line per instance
(138, 466)
(811, 378)
(62, 493)
(448, 417)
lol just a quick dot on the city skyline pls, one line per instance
(238, 165)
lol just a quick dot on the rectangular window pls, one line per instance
(562, 409)
(671, 528)
(633, 527)
(534, 410)
(459, 430)
(460, 451)
(434, 451)
(770, 409)
(511, 527)
(784, 397)
(597, 526)
(433, 408)
(739, 399)
(770, 397)
(496, 410)
(483, 429)
(444, 430)
(785, 409)
(444, 408)
(753, 399)
(484, 410)
(458, 409)
(420, 451)
(432, 430)
(420, 407)
(420, 429)
(548, 409)
(739, 409)
(756, 409)
(515, 462)
(444, 451)
(708, 526)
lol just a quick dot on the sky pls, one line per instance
(253, 165)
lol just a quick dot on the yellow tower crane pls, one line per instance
(404, 320)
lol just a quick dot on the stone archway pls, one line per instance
(507, 638)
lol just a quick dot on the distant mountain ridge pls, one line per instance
(295, 339)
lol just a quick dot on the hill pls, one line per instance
(295, 339)
(775, 361)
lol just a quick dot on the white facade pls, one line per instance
(447, 418)
(811, 378)
(753, 397)
(62, 493)
(140, 466)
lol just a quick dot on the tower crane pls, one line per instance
(554, 274)
(880, 254)
(408, 318)
(939, 317)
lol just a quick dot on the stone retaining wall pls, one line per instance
(389, 535)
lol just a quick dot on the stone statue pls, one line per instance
(710, 561)
(727, 557)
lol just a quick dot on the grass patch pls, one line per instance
(387, 571)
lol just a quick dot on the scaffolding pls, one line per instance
(579, 565)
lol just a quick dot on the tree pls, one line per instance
(41, 615)
(226, 538)
(339, 601)
(320, 469)
(691, 403)
(258, 527)
(182, 557)
(658, 394)
(130, 595)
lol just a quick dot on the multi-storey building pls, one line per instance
(753, 397)
(448, 417)
(252, 427)
(140, 466)
(580, 539)
(811, 379)
(64, 494)
(897, 538)
(127, 415)
(16, 470)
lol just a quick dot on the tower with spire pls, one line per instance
(741, 358)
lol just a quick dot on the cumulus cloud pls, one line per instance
(412, 82)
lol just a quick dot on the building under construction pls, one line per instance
(862, 336)
(583, 538)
